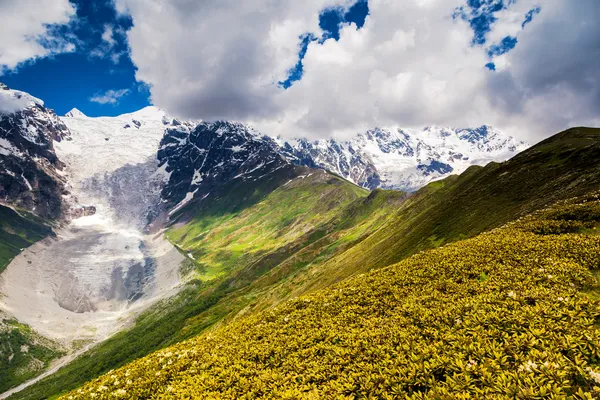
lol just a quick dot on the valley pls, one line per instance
(174, 233)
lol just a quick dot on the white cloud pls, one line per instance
(411, 65)
(26, 30)
(219, 58)
(108, 36)
(110, 96)
(106, 49)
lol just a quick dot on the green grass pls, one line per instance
(23, 354)
(222, 240)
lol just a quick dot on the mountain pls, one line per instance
(200, 158)
(31, 174)
(112, 163)
(480, 199)
(177, 229)
(98, 269)
(256, 244)
(401, 159)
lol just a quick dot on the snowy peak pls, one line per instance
(149, 113)
(31, 175)
(75, 113)
(12, 101)
(402, 159)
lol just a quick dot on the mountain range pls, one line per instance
(379, 158)
(145, 246)
(401, 159)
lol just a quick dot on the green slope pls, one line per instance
(482, 198)
(261, 243)
(220, 238)
(507, 314)
(23, 353)
(17, 231)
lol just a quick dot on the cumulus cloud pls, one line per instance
(221, 59)
(551, 80)
(110, 96)
(412, 64)
(28, 29)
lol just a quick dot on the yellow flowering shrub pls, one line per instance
(508, 314)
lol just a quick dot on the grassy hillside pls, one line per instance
(259, 244)
(220, 239)
(17, 231)
(508, 314)
(23, 353)
(563, 166)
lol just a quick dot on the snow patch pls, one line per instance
(188, 197)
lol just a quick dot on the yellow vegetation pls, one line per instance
(508, 314)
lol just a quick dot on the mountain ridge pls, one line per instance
(31, 174)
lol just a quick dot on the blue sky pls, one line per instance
(70, 80)
(82, 78)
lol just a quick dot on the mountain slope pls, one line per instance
(480, 199)
(369, 232)
(101, 269)
(201, 158)
(400, 159)
(506, 314)
(276, 212)
(23, 353)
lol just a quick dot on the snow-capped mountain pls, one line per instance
(31, 175)
(402, 159)
(143, 163)
(199, 158)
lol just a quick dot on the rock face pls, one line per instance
(199, 158)
(401, 159)
(31, 175)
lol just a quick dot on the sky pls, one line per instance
(315, 68)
